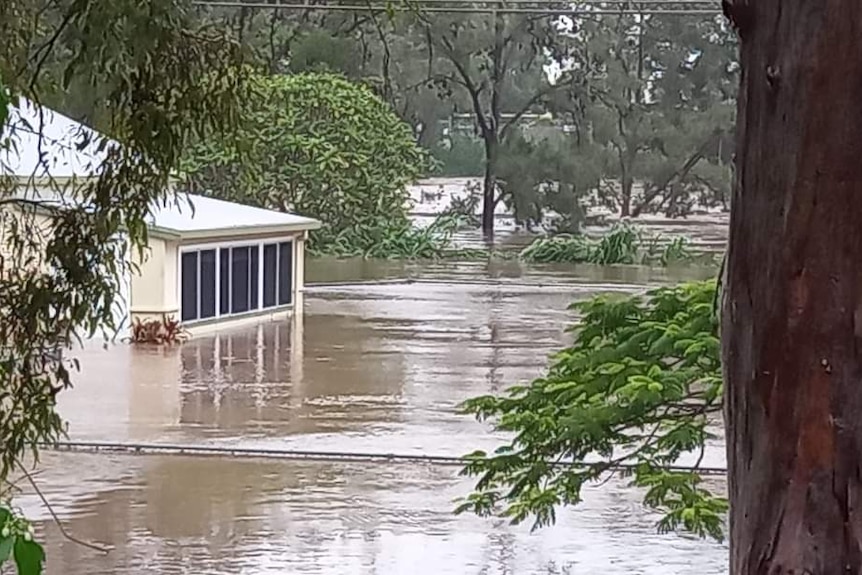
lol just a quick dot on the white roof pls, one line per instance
(45, 143)
(193, 213)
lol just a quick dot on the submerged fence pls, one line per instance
(220, 451)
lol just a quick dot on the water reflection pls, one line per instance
(179, 515)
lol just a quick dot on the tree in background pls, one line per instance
(544, 172)
(318, 145)
(498, 63)
(661, 94)
(162, 81)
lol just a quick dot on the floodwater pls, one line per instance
(376, 367)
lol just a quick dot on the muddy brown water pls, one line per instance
(372, 368)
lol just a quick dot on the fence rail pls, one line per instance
(169, 449)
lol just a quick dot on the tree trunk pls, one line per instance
(792, 301)
(489, 188)
(626, 199)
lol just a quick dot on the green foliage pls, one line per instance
(385, 239)
(623, 244)
(165, 81)
(17, 545)
(465, 208)
(321, 146)
(542, 173)
(157, 80)
(459, 156)
(632, 394)
(661, 110)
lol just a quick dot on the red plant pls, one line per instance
(164, 331)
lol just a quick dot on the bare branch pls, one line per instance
(59, 523)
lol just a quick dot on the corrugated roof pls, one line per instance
(208, 214)
(47, 144)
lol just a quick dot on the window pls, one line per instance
(270, 271)
(235, 279)
(207, 287)
(285, 272)
(189, 290)
(197, 291)
(239, 280)
(277, 274)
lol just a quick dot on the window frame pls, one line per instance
(257, 244)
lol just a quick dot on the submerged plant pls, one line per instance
(623, 244)
(163, 331)
(383, 239)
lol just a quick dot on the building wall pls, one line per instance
(39, 227)
(153, 288)
(156, 290)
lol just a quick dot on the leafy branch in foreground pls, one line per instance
(154, 81)
(16, 542)
(636, 390)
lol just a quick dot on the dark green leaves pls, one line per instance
(29, 557)
(152, 80)
(324, 147)
(16, 543)
(6, 544)
(633, 393)
(623, 244)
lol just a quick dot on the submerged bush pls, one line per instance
(624, 244)
(385, 239)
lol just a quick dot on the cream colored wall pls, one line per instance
(299, 272)
(154, 286)
(172, 285)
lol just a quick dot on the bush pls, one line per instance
(624, 244)
(387, 240)
(321, 146)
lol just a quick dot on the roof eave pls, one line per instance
(215, 233)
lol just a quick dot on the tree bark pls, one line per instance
(626, 195)
(489, 188)
(792, 300)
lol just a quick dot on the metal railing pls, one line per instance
(170, 449)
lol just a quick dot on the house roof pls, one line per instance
(193, 216)
(47, 144)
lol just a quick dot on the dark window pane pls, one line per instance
(208, 283)
(285, 273)
(224, 281)
(239, 280)
(255, 278)
(270, 262)
(189, 290)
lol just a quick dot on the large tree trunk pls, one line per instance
(489, 188)
(792, 303)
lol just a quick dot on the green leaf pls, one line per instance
(6, 548)
(29, 557)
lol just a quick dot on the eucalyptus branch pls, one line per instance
(66, 534)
